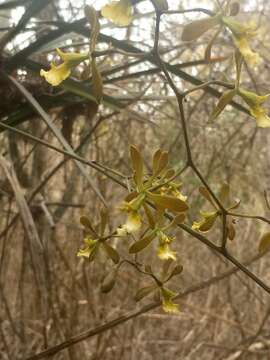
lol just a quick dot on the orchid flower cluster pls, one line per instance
(154, 208)
(152, 195)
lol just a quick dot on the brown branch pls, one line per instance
(133, 314)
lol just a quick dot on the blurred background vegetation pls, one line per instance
(227, 320)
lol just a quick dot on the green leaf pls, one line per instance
(162, 162)
(197, 28)
(208, 50)
(224, 193)
(156, 158)
(92, 17)
(169, 173)
(137, 164)
(161, 5)
(141, 293)
(230, 230)
(94, 252)
(104, 220)
(137, 202)
(142, 244)
(223, 101)
(177, 270)
(111, 252)
(97, 83)
(109, 281)
(160, 212)
(264, 243)
(238, 59)
(168, 202)
(166, 266)
(209, 219)
(177, 220)
(149, 216)
(84, 220)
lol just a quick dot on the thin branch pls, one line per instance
(133, 314)
(56, 132)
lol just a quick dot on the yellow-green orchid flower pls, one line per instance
(179, 195)
(90, 247)
(59, 73)
(241, 34)
(119, 12)
(166, 296)
(167, 304)
(95, 239)
(133, 222)
(121, 231)
(209, 219)
(164, 250)
(255, 102)
(251, 57)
